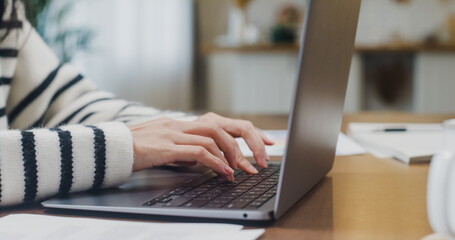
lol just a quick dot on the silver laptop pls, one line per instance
(324, 63)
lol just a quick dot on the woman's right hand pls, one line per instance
(208, 141)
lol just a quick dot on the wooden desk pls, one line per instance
(363, 197)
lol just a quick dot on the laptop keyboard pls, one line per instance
(245, 192)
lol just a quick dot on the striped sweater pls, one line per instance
(58, 133)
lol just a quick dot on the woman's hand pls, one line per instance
(209, 141)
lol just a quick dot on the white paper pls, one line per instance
(42, 227)
(419, 141)
(345, 145)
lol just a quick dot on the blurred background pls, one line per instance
(240, 56)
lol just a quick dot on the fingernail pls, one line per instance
(230, 178)
(228, 170)
(264, 161)
(253, 169)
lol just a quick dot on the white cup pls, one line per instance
(441, 185)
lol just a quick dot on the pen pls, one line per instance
(403, 129)
(394, 130)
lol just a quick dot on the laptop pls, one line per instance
(325, 55)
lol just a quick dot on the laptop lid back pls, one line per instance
(324, 62)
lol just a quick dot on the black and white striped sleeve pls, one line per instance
(39, 163)
(45, 93)
(70, 136)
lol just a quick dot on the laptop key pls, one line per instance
(151, 202)
(262, 199)
(221, 188)
(239, 190)
(211, 193)
(164, 200)
(257, 203)
(207, 185)
(166, 194)
(268, 195)
(243, 200)
(221, 200)
(251, 196)
(236, 204)
(189, 195)
(243, 187)
(181, 190)
(261, 189)
(177, 202)
(196, 203)
(254, 205)
(231, 194)
(215, 192)
(255, 192)
(214, 205)
(205, 197)
(227, 196)
(196, 191)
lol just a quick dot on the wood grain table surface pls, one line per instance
(362, 197)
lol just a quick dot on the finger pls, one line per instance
(244, 129)
(264, 137)
(188, 153)
(224, 141)
(236, 156)
(196, 140)
(246, 166)
(247, 131)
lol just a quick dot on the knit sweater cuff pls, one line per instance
(119, 153)
(102, 155)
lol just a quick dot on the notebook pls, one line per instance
(409, 143)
